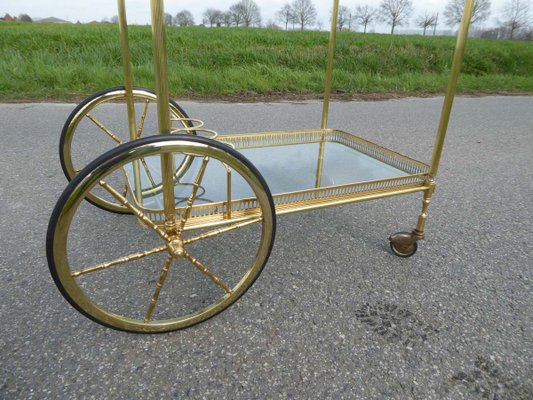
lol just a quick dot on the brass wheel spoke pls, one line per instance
(104, 129)
(208, 273)
(220, 231)
(148, 173)
(119, 261)
(158, 287)
(143, 118)
(187, 213)
(138, 213)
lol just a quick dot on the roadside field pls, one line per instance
(66, 62)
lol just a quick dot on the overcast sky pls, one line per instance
(138, 10)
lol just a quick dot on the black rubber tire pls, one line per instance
(75, 112)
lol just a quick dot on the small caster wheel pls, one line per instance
(403, 244)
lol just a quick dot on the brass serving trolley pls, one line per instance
(209, 214)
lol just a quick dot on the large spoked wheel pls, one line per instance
(99, 123)
(170, 272)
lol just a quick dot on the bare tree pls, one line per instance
(516, 14)
(344, 18)
(304, 13)
(184, 18)
(168, 19)
(246, 12)
(425, 21)
(236, 15)
(226, 18)
(365, 15)
(286, 15)
(395, 12)
(25, 18)
(212, 17)
(453, 12)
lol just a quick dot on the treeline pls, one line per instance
(513, 21)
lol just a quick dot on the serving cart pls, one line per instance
(203, 206)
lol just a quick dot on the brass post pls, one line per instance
(160, 65)
(126, 60)
(320, 163)
(452, 86)
(163, 109)
(331, 58)
(421, 225)
(128, 86)
(228, 192)
(327, 90)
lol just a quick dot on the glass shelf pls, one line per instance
(303, 169)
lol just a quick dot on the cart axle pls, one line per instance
(175, 247)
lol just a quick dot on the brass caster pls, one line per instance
(404, 244)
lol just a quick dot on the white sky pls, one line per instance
(138, 10)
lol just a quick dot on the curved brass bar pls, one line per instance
(452, 86)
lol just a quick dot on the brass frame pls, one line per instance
(218, 213)
(230, 214)
(423, 180)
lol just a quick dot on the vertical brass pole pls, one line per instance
(452, 86)
(327, 90)
(128, 85)
(126, 60)
(320, 163)
(331, 58)
(163, 110)
(160, 65)
(422, 218)
(228, 192)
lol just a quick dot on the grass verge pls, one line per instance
(65, 62)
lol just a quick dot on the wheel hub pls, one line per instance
(175, 247)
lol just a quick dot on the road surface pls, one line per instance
(334, 314)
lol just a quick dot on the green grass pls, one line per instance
(50, 61)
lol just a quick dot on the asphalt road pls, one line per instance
(334, 314)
